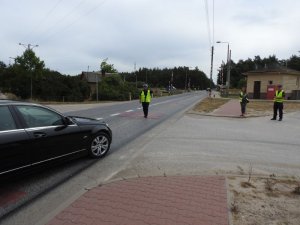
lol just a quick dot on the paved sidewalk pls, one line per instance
(174, 200)
(230, 109)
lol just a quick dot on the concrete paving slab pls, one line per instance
(230, 109)
(187, 200)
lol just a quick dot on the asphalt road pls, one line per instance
(127, 123)
(205, 145)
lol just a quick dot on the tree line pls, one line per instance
(28, 78)
(237, 80)
(179, 77)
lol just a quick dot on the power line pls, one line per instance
(74, 21)
(211, 43)
(63, 18)
(44, 19)
(213, 32)
(207, 22)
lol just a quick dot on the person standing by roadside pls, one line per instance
(145, 99)
(243, 100)
(278, 103)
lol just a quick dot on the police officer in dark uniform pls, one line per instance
(145, 99)
(278, 103)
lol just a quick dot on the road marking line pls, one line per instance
(129, 110)
(116, 114)
(99, 118)
(139, 108)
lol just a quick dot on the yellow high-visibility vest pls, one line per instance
(145, 98)
(241, 96)
(278, 96)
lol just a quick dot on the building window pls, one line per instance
(298, 81)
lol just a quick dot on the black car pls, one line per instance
(32, 135)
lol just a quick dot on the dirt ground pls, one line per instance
(260, 200)
(265, 108)
(267, 201)
(210, 104)
(254, 107)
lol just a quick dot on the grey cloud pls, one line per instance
(152, 33)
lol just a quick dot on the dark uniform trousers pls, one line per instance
(278, 106)
(145, 108)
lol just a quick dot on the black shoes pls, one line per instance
(280, 119)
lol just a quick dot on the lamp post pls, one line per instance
(11, 58)
(228, 63)
(29, 47)
(187, 85)
(135, 73)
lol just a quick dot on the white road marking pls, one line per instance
(116, 114)
(131, 110)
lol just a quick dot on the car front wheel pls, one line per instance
(100, 145)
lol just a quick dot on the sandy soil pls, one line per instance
(264, 200)
(265, 108)
(254, 108)
(210, 104)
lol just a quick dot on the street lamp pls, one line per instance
(185, 86)
(29, 47)
(11, 58)
(228, 62)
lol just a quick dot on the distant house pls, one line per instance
(261, 84)
(93, 78)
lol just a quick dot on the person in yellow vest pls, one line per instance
(278, 103)
(243, 100)
(145, 99)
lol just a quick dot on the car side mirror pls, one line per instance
(68, 121)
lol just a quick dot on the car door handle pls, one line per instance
(39, 134)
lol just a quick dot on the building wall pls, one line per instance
(276, 79)
(290, 83)
(93, 89)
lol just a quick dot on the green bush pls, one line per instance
(114, 88)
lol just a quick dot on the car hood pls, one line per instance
(86, 121)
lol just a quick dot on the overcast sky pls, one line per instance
(75, 34)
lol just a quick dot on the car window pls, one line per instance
(35, 116)
(6, 120)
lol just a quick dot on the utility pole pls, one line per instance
(185, 79)
(29, 47)
(228, 65)
(135, 74)
(211, 66)
(97, 87)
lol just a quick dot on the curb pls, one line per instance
(224, 116)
